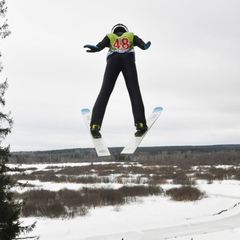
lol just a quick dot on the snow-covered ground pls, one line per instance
(216, 216)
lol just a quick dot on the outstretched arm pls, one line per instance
(140, 43)
(100, 46)
(92, 48)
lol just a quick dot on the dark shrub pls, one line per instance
(42, 203)
(185, 193)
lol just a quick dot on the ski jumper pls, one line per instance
(120, 58)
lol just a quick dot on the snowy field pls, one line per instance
(217, 216)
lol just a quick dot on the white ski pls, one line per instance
(99, 144)
(135, 141)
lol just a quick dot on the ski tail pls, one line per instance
(134, 142)
(99, 144)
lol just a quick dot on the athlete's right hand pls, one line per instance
(147, 45)
(92, 48)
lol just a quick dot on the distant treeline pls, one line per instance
(172, 155)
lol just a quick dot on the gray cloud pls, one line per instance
(191, 70)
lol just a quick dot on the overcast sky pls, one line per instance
(192, 70)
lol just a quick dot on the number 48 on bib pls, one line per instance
(122, 43)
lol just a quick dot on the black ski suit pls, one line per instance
(116, 63)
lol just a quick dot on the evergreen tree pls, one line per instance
(10, 225)
(9, 210)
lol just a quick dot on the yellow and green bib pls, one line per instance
(121, 44)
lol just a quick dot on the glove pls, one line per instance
(147, 45)
(92, 48)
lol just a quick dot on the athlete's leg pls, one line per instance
(130, 74)
(110, 76)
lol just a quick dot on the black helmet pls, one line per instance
(119, 28)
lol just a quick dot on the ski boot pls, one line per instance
(95, 131)
(141, 129)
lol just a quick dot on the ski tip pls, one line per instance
(156, 109)
(85, 110)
